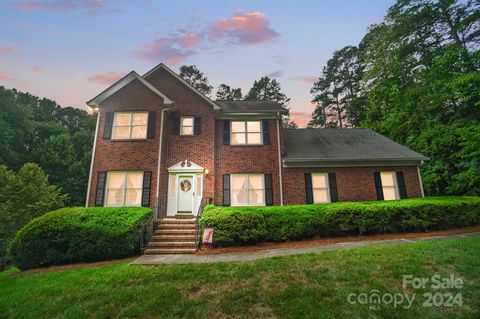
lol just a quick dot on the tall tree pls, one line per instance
(226, 93)
(196, 78)
(337, 92)
(269, 89)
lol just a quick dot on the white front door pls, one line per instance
(185, 193)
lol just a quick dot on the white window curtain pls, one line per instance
(246, 132)
(389, 185)
(124, 189)
(321, 193)
(247, 190)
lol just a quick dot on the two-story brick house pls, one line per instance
(161, 143)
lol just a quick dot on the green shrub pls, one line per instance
(242, 225)
(79, 234)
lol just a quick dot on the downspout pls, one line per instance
(91, 161)
(157, 191)
(420, 180)
(279, 159)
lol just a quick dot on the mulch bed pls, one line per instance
(332, 240)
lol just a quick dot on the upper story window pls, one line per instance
(320, 188)
(124, 188)
(246, 132)
(389, 185)
(186, 125)
(130, 125)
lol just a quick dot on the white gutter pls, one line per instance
(157, 192)
(91, 161)
(420, 180)
(279, 159)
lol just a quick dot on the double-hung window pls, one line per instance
(124, 188)
(389, 185)
(320, 188)
(130, 125)
(247, 190)
(186, 125)
(246, 133)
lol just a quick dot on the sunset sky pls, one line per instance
(70, 50)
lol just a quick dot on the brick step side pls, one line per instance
(175, 237)
(189, 244)
(158, 251)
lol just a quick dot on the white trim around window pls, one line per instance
(130, 125)
(247, 189)
(246, 133)
(124, 188)
(186, 125)
(389, 185)
(320, 188)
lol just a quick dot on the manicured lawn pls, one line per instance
(303, 286)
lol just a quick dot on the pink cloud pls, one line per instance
(301, 118)
(306, 79)
(172, 49)
(106, 78)
(189, 40)
(243, 28)
(4, 77)
(91, 6)
(5, 49)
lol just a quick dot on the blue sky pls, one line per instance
(70, 50)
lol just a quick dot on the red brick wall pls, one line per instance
(353, 183)
(196, 148)
(127, 155)
(232, 159)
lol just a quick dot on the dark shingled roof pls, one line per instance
(344, 144)
(250, 106)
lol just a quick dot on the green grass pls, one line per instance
(302, 286)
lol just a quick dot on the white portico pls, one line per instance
(185, 188)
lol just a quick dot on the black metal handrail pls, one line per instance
(197, 225)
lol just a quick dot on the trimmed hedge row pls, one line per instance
(247, 225)
(79, 234)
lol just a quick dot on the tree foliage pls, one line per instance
(226, 93)
(269, 89)
(196, 78)
(58, 139)
(23, 196)
(416, 77)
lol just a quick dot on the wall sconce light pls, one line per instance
(206, 171)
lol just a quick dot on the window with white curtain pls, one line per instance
(124, 188)
(130, 125)
(247, 190)
(389, 185)
(246, 132)
(320, 189)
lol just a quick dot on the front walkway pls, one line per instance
(229, 257)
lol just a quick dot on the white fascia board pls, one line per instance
(115, 87)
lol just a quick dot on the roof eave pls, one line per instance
(353, 162)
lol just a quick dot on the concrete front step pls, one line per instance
(181, 244)
(164, 251)
(174, 237)
(184, 216)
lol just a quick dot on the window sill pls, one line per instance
(131, 140)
